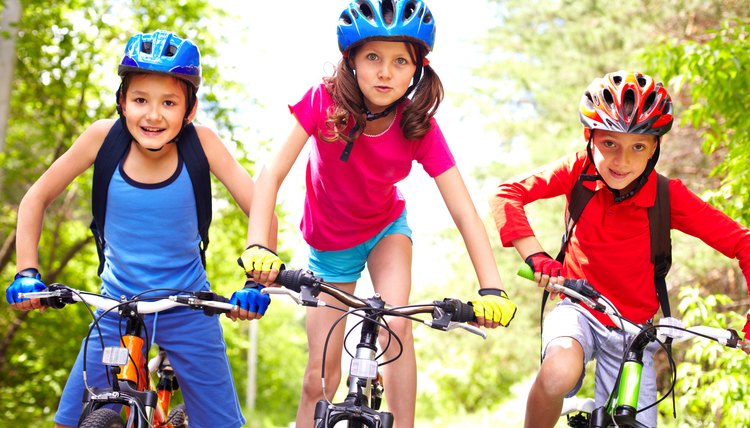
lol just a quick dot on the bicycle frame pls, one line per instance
(144, 406)
(132, 384)
(621, 407)
(363, 399)
(362, 402)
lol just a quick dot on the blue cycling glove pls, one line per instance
(251, 299)
(25, 281)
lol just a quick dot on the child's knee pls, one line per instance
(400, 327)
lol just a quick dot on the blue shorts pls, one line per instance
(347, 265)
(195, 346)
(607, 347)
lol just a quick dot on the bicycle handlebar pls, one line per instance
(581, 291)
(303, 287)
(58, 295)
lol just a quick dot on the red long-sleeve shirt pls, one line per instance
(611, 243)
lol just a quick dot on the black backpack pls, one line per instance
(112, 151)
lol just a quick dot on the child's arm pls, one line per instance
(49, 186)
(262, 264)
(464, 214)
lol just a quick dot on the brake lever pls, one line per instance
(305, 298)
(452, 325)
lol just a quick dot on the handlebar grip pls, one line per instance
(464, 312)
(58, 302)
(293, 279)
(525, 271)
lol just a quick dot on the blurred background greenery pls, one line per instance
(56, 78)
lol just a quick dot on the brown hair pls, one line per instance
(348, 102)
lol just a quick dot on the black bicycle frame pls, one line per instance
(356, 407)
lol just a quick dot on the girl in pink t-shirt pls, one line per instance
(368, 123)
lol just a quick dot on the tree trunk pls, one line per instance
(11, 14)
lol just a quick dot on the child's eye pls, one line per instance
(139, 100)
(608, 143)
(372, 56)
(170, 103)
(639, 147)
(402, 61)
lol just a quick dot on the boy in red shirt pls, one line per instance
(624, 115)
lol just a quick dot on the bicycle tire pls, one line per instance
(103, 418)
(178, 416)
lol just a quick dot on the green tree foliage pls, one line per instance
(713, 71)
(712, 384)
(67, 57)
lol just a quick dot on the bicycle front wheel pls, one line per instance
(103, 418)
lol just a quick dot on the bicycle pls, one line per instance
(145, 404)
(621, 406)
(362, 403)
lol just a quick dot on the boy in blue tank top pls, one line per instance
(152, 231)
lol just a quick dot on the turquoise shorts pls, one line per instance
(347, 265)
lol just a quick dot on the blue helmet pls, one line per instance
(162, 52)
(404, 20)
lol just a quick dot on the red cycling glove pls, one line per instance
(746, 329)
(543, 263)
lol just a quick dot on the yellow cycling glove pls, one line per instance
(259, 258)
(494, 305)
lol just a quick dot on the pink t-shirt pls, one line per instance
(349, 202)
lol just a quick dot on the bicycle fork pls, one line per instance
(623, 403)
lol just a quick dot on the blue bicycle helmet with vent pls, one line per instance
(404, 20)
(162, 52)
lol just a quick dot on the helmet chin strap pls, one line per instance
(369, 116)
(374, 116)
(639, 182)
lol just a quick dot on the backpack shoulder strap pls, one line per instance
(192, 153)
(661, 241)
(579, 198)
(112, 150)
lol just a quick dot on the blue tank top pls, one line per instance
(152, 236)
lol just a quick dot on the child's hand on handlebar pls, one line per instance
(251, 302)
(493, 308)
(546, 270)
(25, 281)
(746, 336)
(261, 264)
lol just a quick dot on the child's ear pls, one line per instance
(191, 116)
(587, 134)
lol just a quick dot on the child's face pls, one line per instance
(621, 158)
(384, 72)
(154, 107)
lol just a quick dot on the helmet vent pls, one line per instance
(649, 101)
(617, 79)
(641, 81)
(589, 98)
(628, 103)
(366, 11)
(427, 18)
(171, 50)
(409, 10)
(346, 19)
(608, 98)
(146, 47)
(387, 11)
